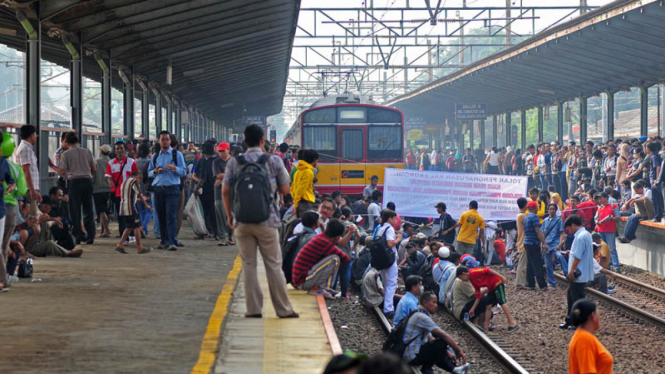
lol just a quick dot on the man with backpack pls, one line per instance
(167, 169)
(446, 229)
(382, 260)
(409, 302)
(257, 180)
(426, 344)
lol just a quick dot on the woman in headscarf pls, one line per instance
(622, 164)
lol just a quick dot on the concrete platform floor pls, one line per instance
(113, 313)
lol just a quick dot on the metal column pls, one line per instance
(128, 106)
(495, 131)
(610, 115)
(508, 129)
(481, 127)
(541, 124)
(145, 113)
(106, 101)
(644, 111)
(76, 94)
(523, 129)
(583, 120)
(559, 122)
(158, 111)
(178, 121)
(169, 114)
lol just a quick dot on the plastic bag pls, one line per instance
(194, 212)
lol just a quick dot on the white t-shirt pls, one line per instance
(494, 158)
(299, 227)
(390, 235)
(374, 211)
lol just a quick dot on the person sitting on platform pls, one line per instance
(414, 288)
(427, 344)
(642, 202)
(316, 265)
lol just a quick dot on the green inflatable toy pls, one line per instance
(7, 145)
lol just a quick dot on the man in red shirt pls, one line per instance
(586, 210)
(316, 265)
(117, 170)
(606, 226)
(410, 160)
(488, 281)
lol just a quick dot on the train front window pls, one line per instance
(352, 114)
(326, 115)
(380, 115)
(385, 143)
(323, 139)
(352, 144)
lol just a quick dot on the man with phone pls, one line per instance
(580, 266)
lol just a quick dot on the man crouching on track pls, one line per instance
(426, 342)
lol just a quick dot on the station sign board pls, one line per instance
(468, 112)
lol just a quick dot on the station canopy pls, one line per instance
(227, 57)
(612, 48)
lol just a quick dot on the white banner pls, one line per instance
(415, 193)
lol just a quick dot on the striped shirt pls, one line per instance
(418, 329)
(314, 251)
(130, 190)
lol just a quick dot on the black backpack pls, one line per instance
(395, 342)
(360, 266)
(289, 254)
(426, 273)
(252, 199)
(382, 256)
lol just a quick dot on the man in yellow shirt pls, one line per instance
(302, 188)
(469, 223)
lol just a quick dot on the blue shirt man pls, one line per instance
(167, 177)
(552, 229)
(582, 249)
(530, 223)
(406, 305)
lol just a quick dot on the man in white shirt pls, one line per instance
(371, 187)
(374, 209)
(644, 210)
(389, 275)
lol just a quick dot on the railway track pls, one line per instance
(494, 348)
(634, 300)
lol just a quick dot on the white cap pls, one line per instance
(444, 252)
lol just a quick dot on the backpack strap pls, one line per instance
(241, 160)
(263, 159)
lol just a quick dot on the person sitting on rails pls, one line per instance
(414, 260)
(446, 289)
(316, 265)
(359, 208)
(470, 222)
(409, 302)
(600, 274)
(488, 282)
(603, 255)
(390, 274)
(302, 188)
(642, 202)
(552, 229)
(427, 344)
(606, 219)
(464, 298)
(442, 270)
(372, 288)
(586, 354)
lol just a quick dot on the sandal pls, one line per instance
(223, 244)
(232, 242)
(121, 250)
(106, 235)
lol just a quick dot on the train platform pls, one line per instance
(111, 313)
(273, 345)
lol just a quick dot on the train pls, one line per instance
(355, 138)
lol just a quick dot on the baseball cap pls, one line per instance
(532, 204)
(420, 235)
(223, 146)
(470, 261)
(105, 148)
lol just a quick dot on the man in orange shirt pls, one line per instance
(488, 281)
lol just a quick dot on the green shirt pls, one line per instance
(21, 184)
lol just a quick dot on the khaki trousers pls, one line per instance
(251, 237)
(521, 270)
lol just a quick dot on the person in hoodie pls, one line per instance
(302, 188)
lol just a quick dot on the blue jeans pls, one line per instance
(631, 227)
(657, 195)
(610, 239)
(166, 202)
(549, 265)
(543, 182)
(156, 228)
(145, 215)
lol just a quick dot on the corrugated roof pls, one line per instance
(609, 49)
(224, 53)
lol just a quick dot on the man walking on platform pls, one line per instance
(262, 235)
(25, 157)
(167, 169)
(79, 165)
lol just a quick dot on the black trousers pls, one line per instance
(80, 197)
(210, 216)
(576, 291)
(534, 266)
(433, 353)
(116, 212)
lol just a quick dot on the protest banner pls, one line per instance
(416, 192)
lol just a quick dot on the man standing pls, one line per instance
(302, 188)
(263, 235)
(205, 179)
(606, 219)
(167, 169)
(581, 256)
(101, 190)
(653, 149)
(117, 170)
(468, 162)
(219, 168)
(25, 157)
(469, 223)
(374, 209)
(371, 187)
(522, 258)
(79, 165)
(13, 174)
(533, 240)
(446, 230)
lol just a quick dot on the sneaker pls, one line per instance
(611, 286)
(162, 246)
(512, 328)
(131, 240)
(172, 248)
(610, 291)
(12, 278)
(461, 369)
(179, 244)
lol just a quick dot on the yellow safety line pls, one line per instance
(210, 342)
